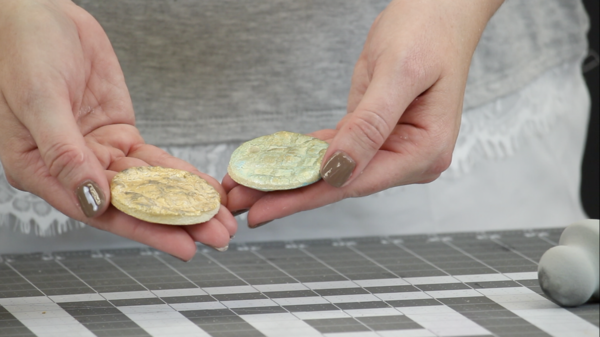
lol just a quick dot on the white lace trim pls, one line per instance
(29, 213)
(496, 130)
(489, 132)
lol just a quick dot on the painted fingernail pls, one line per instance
(91, 199)
(241, 211)
(338, 169)
(260, 224)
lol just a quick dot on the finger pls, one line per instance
(173, 240)
(117, 137)
(31, 175)
(241, 198)
(359, 82)
(228, 183)
(15, 144)
(63, 149)
(25, 169)
(228, 220)
(367, 128)
(158, 157)
(124, 163)
(283, 203)
(211, 233)
(375, 178)
(325, 134)
(106, 154)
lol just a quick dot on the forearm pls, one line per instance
(460, 21)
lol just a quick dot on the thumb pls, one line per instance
(363, 131)
(68, 160)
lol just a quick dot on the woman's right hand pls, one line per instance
(67, 124)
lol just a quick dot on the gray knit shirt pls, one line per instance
(206, 71)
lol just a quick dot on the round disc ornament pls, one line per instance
(281, 161)
(164, 195)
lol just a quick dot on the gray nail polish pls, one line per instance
(91, 199)
(338, 169)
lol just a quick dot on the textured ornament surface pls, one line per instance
(281, 161)
(164, 195)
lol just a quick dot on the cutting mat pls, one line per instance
(467, 284)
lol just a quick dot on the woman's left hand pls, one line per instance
(404, 109)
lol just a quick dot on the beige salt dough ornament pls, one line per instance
(164, 195)
(281, 161)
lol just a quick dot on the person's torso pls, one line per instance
(215, 71)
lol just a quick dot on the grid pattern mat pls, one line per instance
(468, 284)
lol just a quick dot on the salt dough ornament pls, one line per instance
(569, 273)
(281, 161)
(164, 195)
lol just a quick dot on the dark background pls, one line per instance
(590, 171)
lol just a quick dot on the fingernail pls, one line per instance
(338, 169)
(260, 224)
(221, 249)
(180, 259)
(91, 198)
(241, 211)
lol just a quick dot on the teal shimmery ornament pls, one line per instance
(281, 161)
